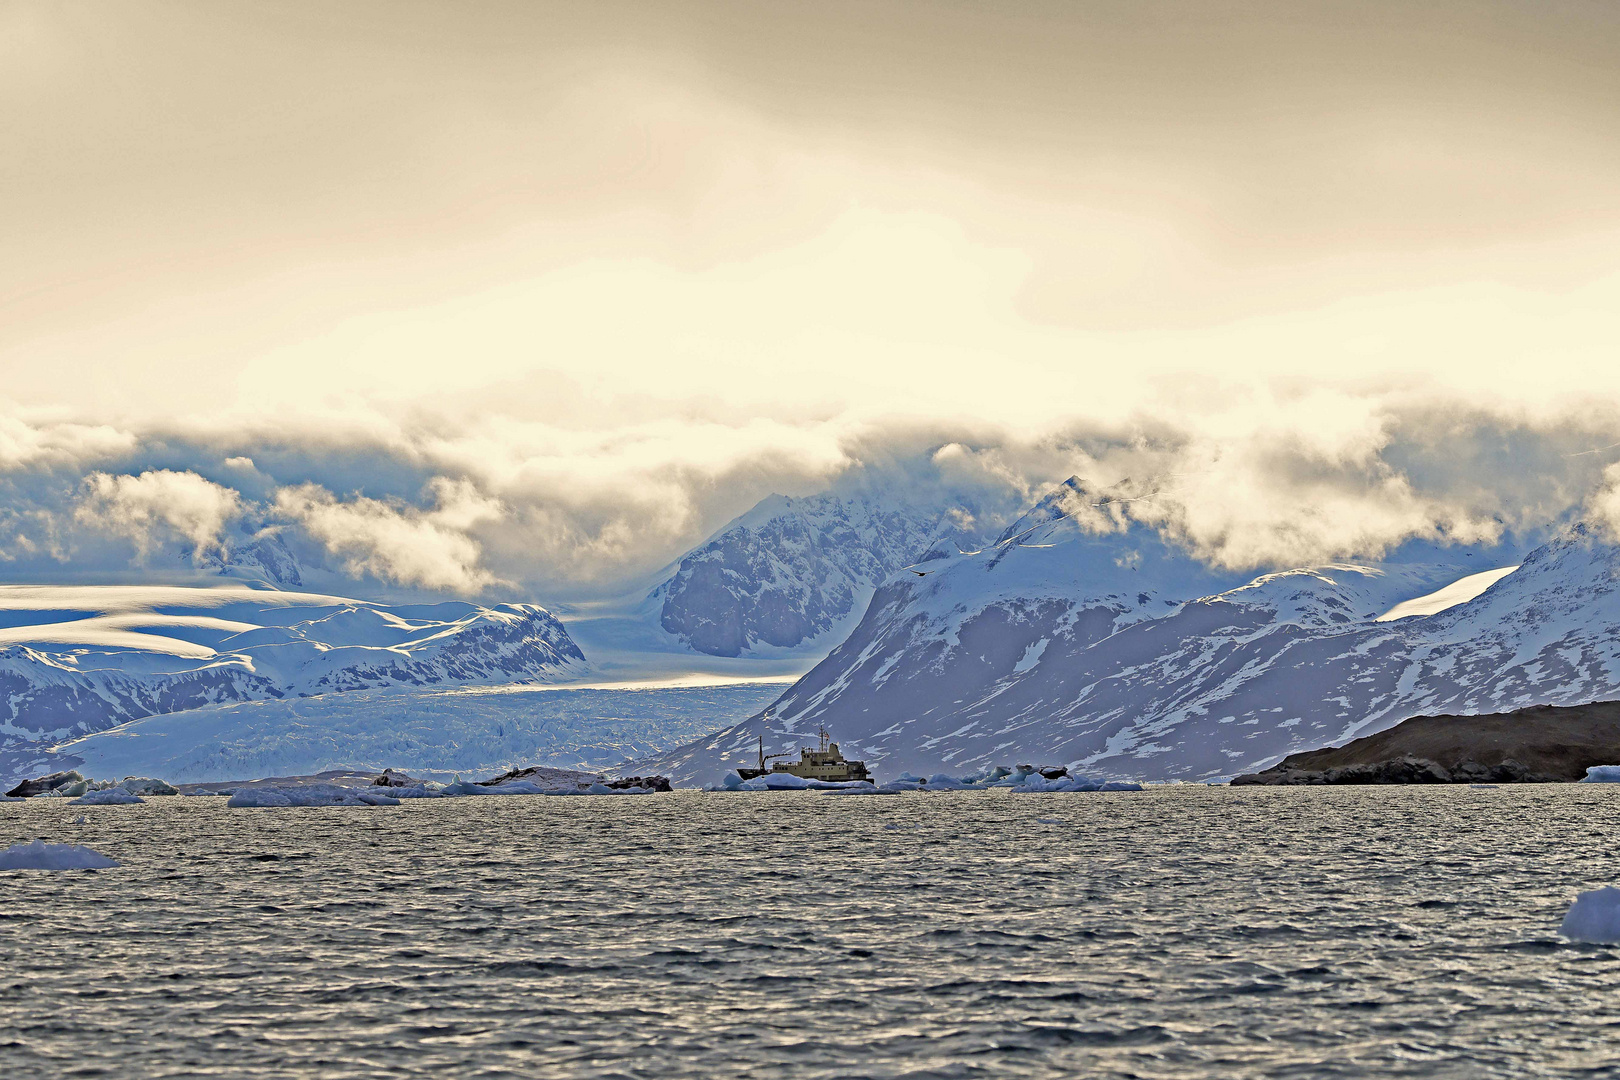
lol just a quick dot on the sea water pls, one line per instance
(1175, 932)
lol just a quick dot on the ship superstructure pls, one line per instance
(826, 762)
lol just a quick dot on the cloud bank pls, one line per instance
(1313, 476)
(528, 299)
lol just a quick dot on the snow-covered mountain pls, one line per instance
(790, 570)
(265, 558)
(79, 659)
(1074, 640)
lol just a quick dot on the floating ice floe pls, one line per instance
(311, 795)
(1021, 779)
(789, 782)
(563, 783)
(1594, 916)
(511, 787)
(42, 856)
(1601, 774)
(108, 797)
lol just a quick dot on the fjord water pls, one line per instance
(1175, 932)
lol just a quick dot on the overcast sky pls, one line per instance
(541, 293)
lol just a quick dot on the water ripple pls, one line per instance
(1183, 932)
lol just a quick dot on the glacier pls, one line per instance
(429, 731)
(79, 659)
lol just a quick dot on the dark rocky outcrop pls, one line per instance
(655, 783)
(1541, 744)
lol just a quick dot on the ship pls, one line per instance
(824, 763)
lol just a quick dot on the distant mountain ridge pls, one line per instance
(80, 659)
(1074, 640)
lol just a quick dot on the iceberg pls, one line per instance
(511, 787)
(310, 795)
(1594, 916)
(44, 785)
(42, 856)
(146, 785)
(108, 797)
(1601, 774)
(428, 789)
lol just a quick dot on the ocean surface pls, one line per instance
(1176, 932)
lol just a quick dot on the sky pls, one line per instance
(527, 298)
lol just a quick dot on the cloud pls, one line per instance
(1261, 477)
(56, 443)
(1603, 508)
(159, 504)
(397, 542)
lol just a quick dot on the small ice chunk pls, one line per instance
(310, 795)
(1601, 774)
(1594, 916)
(42, 856)
(108, 797)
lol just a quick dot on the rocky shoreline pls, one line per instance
(1543, 744)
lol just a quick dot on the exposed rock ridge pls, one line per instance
(1544, 744)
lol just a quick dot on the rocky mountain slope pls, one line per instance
(790, 570)
(1072, 640)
